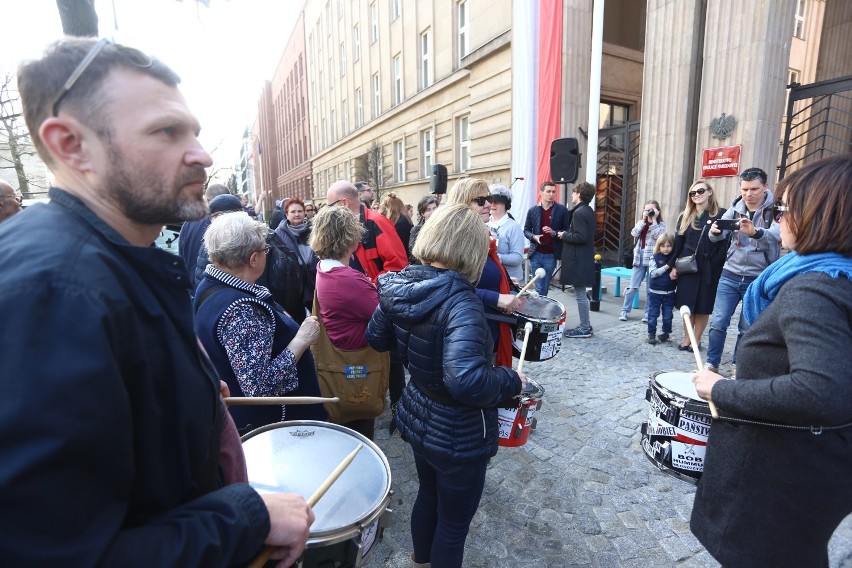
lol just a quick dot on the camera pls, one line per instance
(650, 212)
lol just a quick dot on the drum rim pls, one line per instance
(668, 470)
(666, 390)
(538, 319)
(338, 534)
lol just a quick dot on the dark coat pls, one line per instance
(189, 243)
(559, 221)
(111, 413)
(768, 496)
(578, 249)
(698, 290)
(438, 324)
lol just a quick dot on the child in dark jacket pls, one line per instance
(661, 288)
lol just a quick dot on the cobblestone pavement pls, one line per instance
(580, 492)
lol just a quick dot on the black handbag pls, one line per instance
(689, 264)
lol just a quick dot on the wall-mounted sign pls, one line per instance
(721, 162)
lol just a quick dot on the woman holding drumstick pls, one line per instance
(448, 410)
(778, 474)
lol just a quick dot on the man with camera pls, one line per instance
(755, 243)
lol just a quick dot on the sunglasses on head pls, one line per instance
(481, 200)
(695, 192)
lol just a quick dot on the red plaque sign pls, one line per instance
(721, 162)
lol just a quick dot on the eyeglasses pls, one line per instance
(17, 198)
(699, 191)
(309, 210)
(778, 211)
(753, 173)
(336, 202)
(481, 200)
(134, 56)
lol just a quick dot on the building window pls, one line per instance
(427, 150)
(333, 126)
(464, 143)
(397, 79)
(426, 58)
(395, 9)
(356, 43)
(342, 58)
(324, 133)
(792, 77)
(374, 22)
(321, 86)
(377, 96)
(801, 12)
(464, 36)
(328, 18)
(614, 114)
(359, 108)
(345, 117)
(399, 161)
(340, 9)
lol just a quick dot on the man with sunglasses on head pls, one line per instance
(543, 223)
(755, 243)
(118, 449)
(10, 201)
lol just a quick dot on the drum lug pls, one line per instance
(644, 428)
(648, 394)
(538, 405)
(533, 422)
(519, 431)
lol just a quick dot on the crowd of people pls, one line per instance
(128, 454)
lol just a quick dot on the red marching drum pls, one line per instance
(516, 420)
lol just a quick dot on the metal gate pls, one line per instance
(615, 203)
(818, 123)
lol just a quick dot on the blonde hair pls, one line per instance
(333, 231)
(690, 213)
(664, 239)
(233, 237)
(466, 189)
(393, 208)
(456, 237)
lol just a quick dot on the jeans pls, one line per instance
(656, 303)
(582, 306)
(729, 293)
(636, 277)
(446, 501)
(548, 262)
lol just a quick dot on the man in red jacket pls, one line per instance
(380, 250)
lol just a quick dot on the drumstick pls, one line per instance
(539, 273)
(258, 400)
(267, 551)
(685, 313)
(527, 330)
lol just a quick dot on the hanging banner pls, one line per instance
(721, 162)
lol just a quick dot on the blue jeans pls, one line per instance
(446, 501)
(657, 303)
(729, 293)
(548, 262)
(636, 277)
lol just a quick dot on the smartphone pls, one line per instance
(728, 224)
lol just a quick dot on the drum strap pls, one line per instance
(511, 320)
(815, 430)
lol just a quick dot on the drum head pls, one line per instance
(297, 456)
(678, 383)
(541, 308)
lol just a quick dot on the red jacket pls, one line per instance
(380, 250)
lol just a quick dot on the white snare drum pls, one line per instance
(516, 421)
(675, 435)
(547, 317)
(296, 457)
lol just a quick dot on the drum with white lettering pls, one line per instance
(547, 317)
(515, 419)
(296, 457)
(675, 435)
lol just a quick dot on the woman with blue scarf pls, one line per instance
(777, 475)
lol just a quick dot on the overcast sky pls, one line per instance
(222, 53)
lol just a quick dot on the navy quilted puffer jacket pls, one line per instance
(439, 326)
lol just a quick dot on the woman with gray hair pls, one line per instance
(507, 232)
(257, 349)
(448, 410)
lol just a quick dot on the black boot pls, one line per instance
(652, 339)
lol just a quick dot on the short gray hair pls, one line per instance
(456, 237)
(233, 237)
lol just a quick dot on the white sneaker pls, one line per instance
(644, 319)
(623, 316)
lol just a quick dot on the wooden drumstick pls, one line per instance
(267, 551)
(527, 329)
(539, 273)
(685, 313)
(259, 400)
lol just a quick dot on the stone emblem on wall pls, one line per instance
(722, 126)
